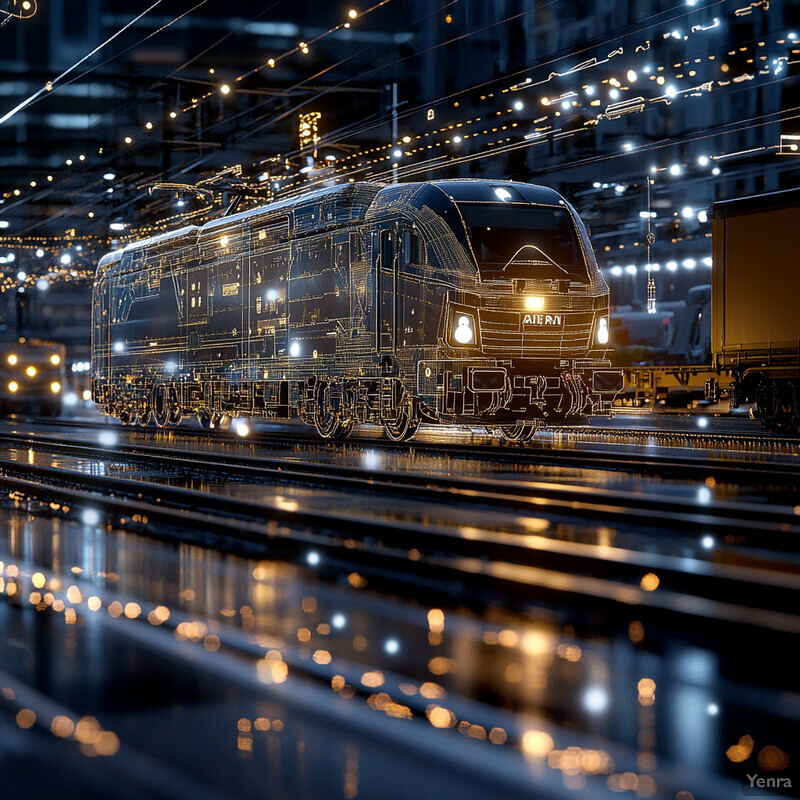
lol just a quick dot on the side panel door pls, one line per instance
(387, 267)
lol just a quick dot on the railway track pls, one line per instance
(438, 554)
(740, 598)
(742, 464)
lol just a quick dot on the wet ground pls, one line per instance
(209, 674)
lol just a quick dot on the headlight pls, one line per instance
(13, 386)
(462, 329)
(12, 359)
(55, 387)
(601, 336)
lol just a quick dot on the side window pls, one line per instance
(412, 247)
(387, 249)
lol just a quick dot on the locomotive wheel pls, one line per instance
(404, 427)
(778, 406)
(521, 432)
(327, 420)
(210, 420)
(144, 416)
(164, 410)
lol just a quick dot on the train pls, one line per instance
(738, 338)
(454, 302)
(32, 376)
(755, 286)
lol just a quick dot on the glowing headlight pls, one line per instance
(601, 336)
(55, 360)
(534, 302)
(12, 359)
(31, 372)
(464, 329)
(13, 386)
(55, 387)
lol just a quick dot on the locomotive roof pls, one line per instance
(483, 191)
(355, 199)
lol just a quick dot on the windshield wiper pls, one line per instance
(538, 250)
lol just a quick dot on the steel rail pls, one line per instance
(776, 522)
(535, 453)
(447, 559)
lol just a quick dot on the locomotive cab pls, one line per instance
(522, 334)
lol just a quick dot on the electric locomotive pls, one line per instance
(454, 302)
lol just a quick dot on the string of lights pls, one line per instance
(496, 139)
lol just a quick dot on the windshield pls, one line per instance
(524, 242)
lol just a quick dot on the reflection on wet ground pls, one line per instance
(177, 666)
(542, 696)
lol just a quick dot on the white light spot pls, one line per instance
(565, 105)
(687, 211)
(294, 349)
(707, 261)
(90, 517)
(70, 399)
(590, 90)
(240, 427)
(339, 620)
(39, 253)
(518, 105)
(119, 347)
(391, 646)
(595, 699)
(21, 275)
(117, 226)
(397, 153)
(704, 495)
(616, 271)
(703, 161)
(713, 709)
(631, 269)
(614, 94)
(313, 558)
(707, 542)
(690, 263)
(716, 171)
(370, 459)
(109, 176)
(502, 194)
(672, 265)
(65, 259)
(457, 140)
(702, 216)
(42, 285)
(107, 438)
